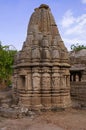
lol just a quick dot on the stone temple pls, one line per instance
(41, 68)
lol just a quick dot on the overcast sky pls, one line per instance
(70, 17)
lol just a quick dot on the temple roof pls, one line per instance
(43, 44)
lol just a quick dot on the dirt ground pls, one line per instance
(70, 119)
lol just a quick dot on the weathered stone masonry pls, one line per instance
(78, 77)
(41, 68)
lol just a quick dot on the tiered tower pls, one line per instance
(41, 68)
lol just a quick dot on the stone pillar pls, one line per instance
(36, 86)
(55, 87)
(65, 88)
(28, 89)
(46, 88)
(63, 81)
(19, 89)
(83, 79)
(67, 79)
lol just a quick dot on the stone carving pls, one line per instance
(36, 51)
(55, 51)
(41, 68)
(55, 81)
(46, 85)
(45, 49)
(36, 81)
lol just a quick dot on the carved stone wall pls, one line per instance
(41, 68)
(78, 77)
(78, 93)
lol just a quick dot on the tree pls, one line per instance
(6, 63)
(77, 47)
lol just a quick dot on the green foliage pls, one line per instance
(77, 47)
(6, 62)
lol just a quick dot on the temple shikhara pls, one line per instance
(41, 68)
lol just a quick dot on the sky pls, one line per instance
(70, 17)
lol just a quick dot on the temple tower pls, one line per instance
(41, 68)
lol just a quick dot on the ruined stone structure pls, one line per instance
(41, 68)
(78, 76)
